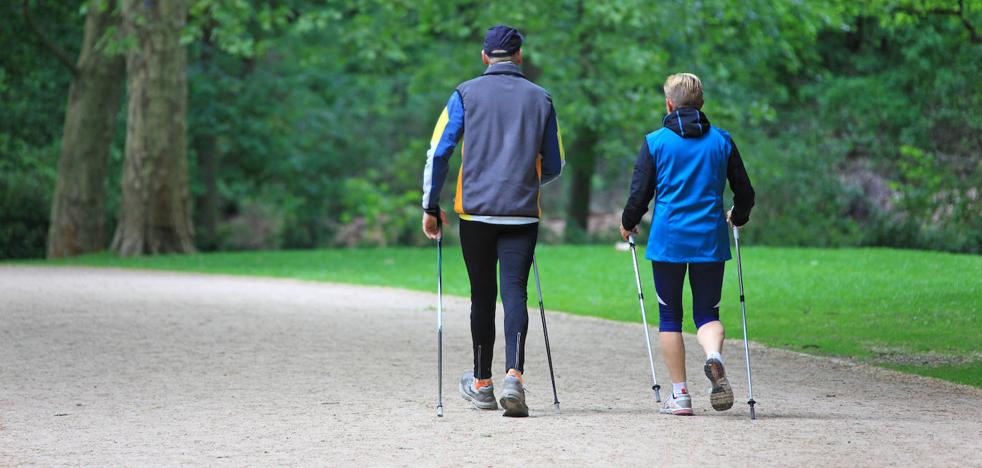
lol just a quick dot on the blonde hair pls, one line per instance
(684, 90)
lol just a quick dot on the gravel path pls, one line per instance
(107, 367)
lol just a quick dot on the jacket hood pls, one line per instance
(687, 122)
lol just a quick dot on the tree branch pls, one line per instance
(54, 49)
(973, 34)
(959, 13)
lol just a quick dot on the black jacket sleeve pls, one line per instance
(743, 192)
(642, 188)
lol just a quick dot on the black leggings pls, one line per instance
(484, 246)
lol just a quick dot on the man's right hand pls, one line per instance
(431, 227)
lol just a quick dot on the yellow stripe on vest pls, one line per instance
(559, 136)
(538, 172)
(458, 205)
(441, 125)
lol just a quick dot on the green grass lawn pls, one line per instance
(908, 310)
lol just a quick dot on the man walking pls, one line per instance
(685, 166)
(511, 146)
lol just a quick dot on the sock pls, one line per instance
(714, 356)
(481, 383)
(679, 389)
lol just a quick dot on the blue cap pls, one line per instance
(502, 41)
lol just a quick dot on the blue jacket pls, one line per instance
(684, 166)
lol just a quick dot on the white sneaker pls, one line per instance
(678, 405)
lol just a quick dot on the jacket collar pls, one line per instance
(504, 68)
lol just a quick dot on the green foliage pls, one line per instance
(27, 179)
(906, 102)
(33, 91)
(859, 121)
(799, 201)
(917, 311)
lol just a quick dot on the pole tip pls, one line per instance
(657, 389)
(439, 411)
(556, 407)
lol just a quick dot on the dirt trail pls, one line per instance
(107, 367)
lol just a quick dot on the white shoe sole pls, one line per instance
(677, 412)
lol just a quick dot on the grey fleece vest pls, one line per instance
(505, 117)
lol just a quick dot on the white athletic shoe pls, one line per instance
(678, 405)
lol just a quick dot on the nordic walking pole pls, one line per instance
(545, 333)
(644, 320)
(743, 311)
(439, 319)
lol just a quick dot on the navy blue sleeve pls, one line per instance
(643, 184)
(743, 191)
(447, 133)
(552, 153)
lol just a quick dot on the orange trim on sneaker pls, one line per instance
(516, 373)
(481, 383)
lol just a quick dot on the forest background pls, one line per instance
(172, 126)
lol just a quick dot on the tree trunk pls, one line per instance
(207, 212)
(78, 208)
(582, 166)
(205, 146)
(583, 159)
(155, 216)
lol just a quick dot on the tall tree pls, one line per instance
(78, 208)
(155, 216)
(604, 86)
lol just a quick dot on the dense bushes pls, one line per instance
(27, 177)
